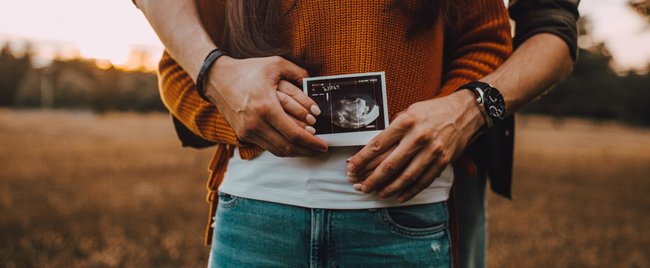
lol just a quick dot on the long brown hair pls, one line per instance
(251, 26)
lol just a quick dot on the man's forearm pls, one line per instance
(540, 62)
(179, 28)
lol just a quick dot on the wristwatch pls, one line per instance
(489, 100)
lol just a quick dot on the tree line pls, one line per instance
(74, 84)
(593, 90)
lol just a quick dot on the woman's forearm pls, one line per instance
(177, 24)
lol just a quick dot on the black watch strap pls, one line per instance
(210, 59)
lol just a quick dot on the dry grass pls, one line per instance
(85, 190)
(80, 190)
(582, 197)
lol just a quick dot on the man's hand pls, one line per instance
(262, 107)
(418, 145)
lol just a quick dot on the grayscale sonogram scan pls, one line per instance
(353, 107)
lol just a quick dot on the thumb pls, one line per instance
(292, 72)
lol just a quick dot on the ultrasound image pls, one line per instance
(355, 113)
(350, 104)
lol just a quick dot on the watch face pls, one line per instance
(495, 106)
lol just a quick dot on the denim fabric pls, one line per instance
(253, 233)
(469, 193)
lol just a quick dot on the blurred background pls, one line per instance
(91, 173)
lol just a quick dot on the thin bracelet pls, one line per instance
(207, 63)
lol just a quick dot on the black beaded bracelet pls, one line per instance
(207, 63)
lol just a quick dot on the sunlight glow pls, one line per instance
(112, 29)
(626, 35)
(99, 29)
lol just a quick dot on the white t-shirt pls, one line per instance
(314, 182)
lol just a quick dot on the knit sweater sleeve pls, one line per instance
(477, 43)
(178, 93)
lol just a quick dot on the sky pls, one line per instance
(624, 32)
(102, 29)
(109, 29)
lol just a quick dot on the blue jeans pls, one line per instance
(253, 233)
(472, 224)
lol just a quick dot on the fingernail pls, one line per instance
(315, 110)
(311, 119)
(352, 179)
(310, 129)
(350, 174)
(350, 167)
(357, 187)
(322, 149)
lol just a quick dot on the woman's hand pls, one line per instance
(418, 145)
(262, 107)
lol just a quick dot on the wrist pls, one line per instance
(217, 71)
(221, 64)
(471, 110)
(206, 69)
(489, 101)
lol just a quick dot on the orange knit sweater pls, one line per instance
(343, 37)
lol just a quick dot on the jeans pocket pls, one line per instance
(416, 220)
(227, 200)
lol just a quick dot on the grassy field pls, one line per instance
(79, 190)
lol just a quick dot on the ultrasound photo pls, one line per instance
(353, 107)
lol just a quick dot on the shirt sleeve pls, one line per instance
(557, 17)
(178, 93)
(477, 41)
